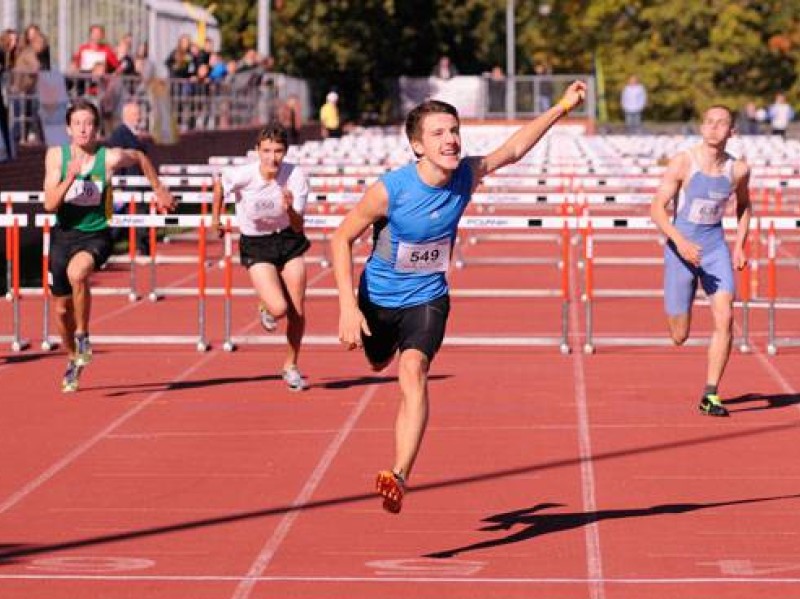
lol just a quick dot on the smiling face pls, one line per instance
(439, 141)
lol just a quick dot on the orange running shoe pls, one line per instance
(391, 487)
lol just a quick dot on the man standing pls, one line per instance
(77, 190)
(403, 298)
(126, 136)
(633, 101)
(700, 181)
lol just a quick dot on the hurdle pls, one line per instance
(561, 341)
(773, 341)
(133, 220)
(12, 223)
(591, 292)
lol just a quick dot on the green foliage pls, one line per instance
(688, 54)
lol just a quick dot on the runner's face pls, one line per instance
(82, 128)
(270, 155)
(717, 127)
(440, 142)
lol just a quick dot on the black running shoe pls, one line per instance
(711, 405)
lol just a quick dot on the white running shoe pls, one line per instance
(267, 320)
(294, 380)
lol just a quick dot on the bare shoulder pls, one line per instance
(741, 170)
(52, 158)
(678, 166)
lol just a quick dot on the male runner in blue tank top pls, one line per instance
(403, 300)
(701, 180)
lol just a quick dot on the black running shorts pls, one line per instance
(276, 248)
(64, 244)
(418, 327)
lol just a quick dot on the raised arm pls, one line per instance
(521, 142)
(667, 192)
(117, 158)
(54, 188)
(372, 207)
(744, 211)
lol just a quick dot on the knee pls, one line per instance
(679, 337)
(414, 363)
(277, 309)
(61, 308)
(77, 277)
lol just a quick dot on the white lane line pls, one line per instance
(84, 447)
(264, 558)
(594, 558)
(394, 580)
(81, 449)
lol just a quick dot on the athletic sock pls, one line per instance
(710, 390)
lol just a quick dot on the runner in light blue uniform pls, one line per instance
(702, 180)
(698, 217)
(403, 303)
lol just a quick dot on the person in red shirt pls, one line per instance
(95, 51)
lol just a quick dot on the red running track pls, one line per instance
(174, 473)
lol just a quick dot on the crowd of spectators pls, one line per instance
(110, 74)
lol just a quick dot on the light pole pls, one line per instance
(511, 62)
(264, 9)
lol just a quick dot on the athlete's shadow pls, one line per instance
(535, 523)
(762, 401)
(365, 380)
(22, 358)
(134, 388)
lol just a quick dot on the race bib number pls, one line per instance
(423, 257)
(706, 212)
(84, 193)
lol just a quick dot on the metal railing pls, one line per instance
(247, 98)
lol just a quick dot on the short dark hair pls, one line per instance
(418, 114)
(722, 107)
(83, 104)
(274, 132)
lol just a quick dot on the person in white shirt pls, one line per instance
(780, 114)
(633, 101)
(270, 197)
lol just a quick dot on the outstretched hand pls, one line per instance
(574, 95)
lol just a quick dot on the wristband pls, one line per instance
(565, 106)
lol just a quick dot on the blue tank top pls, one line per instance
(701, 204)
(412, 245)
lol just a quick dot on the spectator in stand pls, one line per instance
(8, 48)
(633, 101)
(780, 115)
(145, 68)
(26, 126)
(9, 41)
(33, 36)
(219, 70)
(95, 51)
(127, 135)
(444, 69)
(204, 57)
(290, 118)
(330, 121)
(180, 62)
(127, 66)
(748, 119)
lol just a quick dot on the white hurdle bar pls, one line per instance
(46, 221)
(467, 222)
(588, 226)
(12, 223)
(773, 224)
